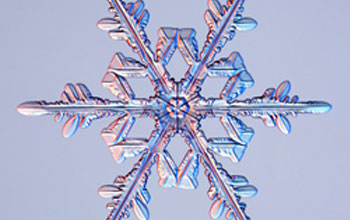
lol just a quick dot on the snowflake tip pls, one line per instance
(31, 108)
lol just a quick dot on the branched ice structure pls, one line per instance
(177, 108)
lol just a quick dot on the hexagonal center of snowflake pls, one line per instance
(177, 107)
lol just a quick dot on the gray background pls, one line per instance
(44, 44)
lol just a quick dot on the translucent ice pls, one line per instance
(177, 107)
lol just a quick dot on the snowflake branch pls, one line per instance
(81, 108)
(200, 144)
(220, 107)
(156, 69)
(217, 37)
(38, 108)
(272, 107)
(158, 142)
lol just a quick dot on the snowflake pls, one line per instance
(177, 108)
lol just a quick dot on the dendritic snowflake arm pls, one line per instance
(223, 21)
(224, 189)
(81, 108)
(128, 24)
(126, 190)
(272, 107)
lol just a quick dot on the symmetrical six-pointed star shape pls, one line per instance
(177, 108)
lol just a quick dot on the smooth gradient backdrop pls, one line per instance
(45, 44)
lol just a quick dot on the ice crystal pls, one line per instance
(177, 108)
